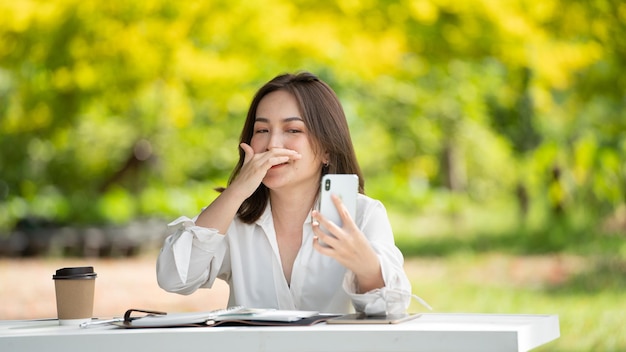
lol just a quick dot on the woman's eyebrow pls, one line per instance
(288, 119)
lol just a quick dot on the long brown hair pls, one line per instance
(326, 121)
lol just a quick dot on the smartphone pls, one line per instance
(346, 187)
(361, 318)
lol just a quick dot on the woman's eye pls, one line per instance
(294, 131)
(261, 130)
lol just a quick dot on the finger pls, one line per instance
(344, 214)
(276, 156)
(331, 232)
(248, 152)
(294, 155)
(262, 161)
(322, 246)
(326, 223)
(322, 238)
(276, 160)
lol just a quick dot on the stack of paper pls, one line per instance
(265, 315)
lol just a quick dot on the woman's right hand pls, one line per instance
(220, 213)
(256, 165)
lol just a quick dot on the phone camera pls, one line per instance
(327, 185)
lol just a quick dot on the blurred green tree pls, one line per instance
(140, 104)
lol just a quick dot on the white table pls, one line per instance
(429, 332)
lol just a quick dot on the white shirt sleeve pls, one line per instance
(191, 257)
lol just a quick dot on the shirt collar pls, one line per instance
(266, 217)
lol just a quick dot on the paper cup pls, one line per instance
(74, 294)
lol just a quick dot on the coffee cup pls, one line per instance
(74, 289)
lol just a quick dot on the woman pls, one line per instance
(261, 234)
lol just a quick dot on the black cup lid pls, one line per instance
(83, 272)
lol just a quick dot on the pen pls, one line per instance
(100, 322)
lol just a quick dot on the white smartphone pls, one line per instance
(361, 318)
(346, 187)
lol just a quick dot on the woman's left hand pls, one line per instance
(349, 246)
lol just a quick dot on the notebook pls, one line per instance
(222, 317)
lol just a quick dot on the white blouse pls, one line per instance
(247, 258)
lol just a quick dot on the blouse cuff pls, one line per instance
(393, 298)
(183, 241)
(380, 301)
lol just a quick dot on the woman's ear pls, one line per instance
(326, 159)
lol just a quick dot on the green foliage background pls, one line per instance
(117, 110)
(483, 125)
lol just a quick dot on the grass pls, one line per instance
(481, 261)
(589, 321)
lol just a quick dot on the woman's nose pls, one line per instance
(276, 141)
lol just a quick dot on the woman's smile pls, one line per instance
(278, 166)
